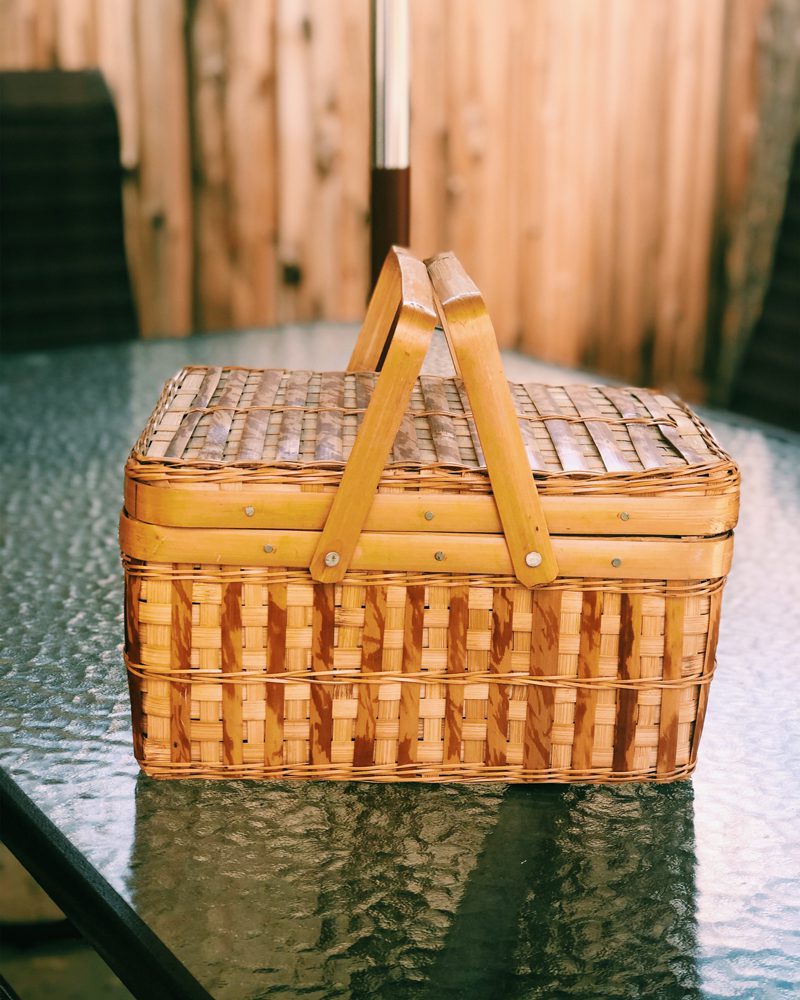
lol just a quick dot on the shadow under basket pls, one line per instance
(353, 575)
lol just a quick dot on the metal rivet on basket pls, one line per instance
(428, 515)
(533, 559)
(624, 516)
(332, 559)
(268, 548)
(439, 556)
(616, 563)
(249, 511)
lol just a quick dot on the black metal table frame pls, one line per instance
(141, 960)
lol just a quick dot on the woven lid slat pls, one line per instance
(641, 437)
(191, 419)
(329, 426)
(657, 412)
(221, 419)
(569, 451)
(609, 451)
(473, 430)
(251, 446)
(292, 424)
(405, 449)
(441, 424)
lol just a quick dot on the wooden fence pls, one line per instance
(586, 159)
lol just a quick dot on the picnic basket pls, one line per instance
(377, 574)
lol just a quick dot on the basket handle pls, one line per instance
(401, 303)
(471, 337)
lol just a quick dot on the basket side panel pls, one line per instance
(237, 672)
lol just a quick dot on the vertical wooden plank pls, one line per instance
(705, 175)
(634, 155)
(231, 653)
(567, 245)
(318, 293)
(165, 240)
(345, 112)
(456, 664)
(674, 614)
(546, 632)
(588, 667)
(19, 26)
(294, 154)
(408, 734)
(180, 659)
(371, 663)
(322, 638)
(117, 58)
(497, 43)
(276, 664)
(209, 73)
(499, 663)
(630, 635)
(76, 42)
(690, 154)
(430, 75)
(534, 124)
(252, 172)
(479, 150)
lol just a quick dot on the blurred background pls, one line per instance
(613, 174)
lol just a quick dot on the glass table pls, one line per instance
(244, 890)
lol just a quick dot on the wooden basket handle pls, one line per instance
(471, 337)
(401, 304)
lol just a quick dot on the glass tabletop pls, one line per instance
(319, 890)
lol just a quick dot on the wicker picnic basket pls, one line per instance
(402, 577)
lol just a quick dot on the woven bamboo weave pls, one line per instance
(428, 659)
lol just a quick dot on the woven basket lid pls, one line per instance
(241, 418)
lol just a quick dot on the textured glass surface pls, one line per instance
(335, 890)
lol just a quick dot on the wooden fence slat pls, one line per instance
(165, 189)
(586, 161)
(253, 173)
